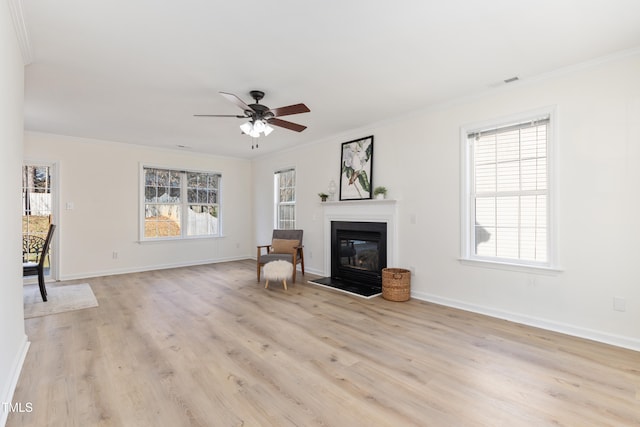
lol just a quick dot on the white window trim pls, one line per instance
(276, 196)
(467, 256)
(182, 237)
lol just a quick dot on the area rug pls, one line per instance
(60, 298)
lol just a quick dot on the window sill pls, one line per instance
(510, 267)
(179, 239)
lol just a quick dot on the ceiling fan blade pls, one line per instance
(234, 99)
(287, 125)
(290, 109)
(219, 115)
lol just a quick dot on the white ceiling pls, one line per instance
(137, 71)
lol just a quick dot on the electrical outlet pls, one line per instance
(114, 255)
(619, 304)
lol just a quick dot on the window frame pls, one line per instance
(467, 202)
(183, 205)
(276, 197)
(54, 187)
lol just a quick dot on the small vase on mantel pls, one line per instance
(380, 192)
(332, 190)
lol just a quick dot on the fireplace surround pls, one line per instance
(383, 212)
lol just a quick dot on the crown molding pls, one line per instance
(15, 8)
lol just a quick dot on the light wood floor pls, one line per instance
(208, 346)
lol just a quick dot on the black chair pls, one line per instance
(30, 268)
(285, 245)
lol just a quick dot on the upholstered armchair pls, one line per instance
(285, 245)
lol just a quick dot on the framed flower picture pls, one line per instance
(356, 169)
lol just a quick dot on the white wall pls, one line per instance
(314, 166)
(101, 179)
(599, 200)
(13, 341)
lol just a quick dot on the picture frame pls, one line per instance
(356, 169)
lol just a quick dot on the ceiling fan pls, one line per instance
(260, 116)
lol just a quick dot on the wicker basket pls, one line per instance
(396, 284)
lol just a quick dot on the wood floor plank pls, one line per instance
(208, 346)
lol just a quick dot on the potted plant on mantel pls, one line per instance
(380, 192)
(323, 196)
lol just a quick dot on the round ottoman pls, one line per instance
(278, 270)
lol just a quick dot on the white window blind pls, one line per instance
(509, 192)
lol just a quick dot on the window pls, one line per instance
(507, 202)
(180, 204)
(285, 199)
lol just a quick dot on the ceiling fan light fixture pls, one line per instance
(253, 133)
(254, 128)
(246, 128)
(259, 126)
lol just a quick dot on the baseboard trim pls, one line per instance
(593, 335)
(16, 369)
(314, 271)
(114, 272)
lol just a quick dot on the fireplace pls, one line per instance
(358, 252)
(367, 226)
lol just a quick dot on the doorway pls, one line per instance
(38, 201)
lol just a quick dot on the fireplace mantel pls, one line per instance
(365, 202)
(373, 210)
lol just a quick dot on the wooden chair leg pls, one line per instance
(258, 272)
(284, 283)
(266, 285)
(43, 289)
(294, 261)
